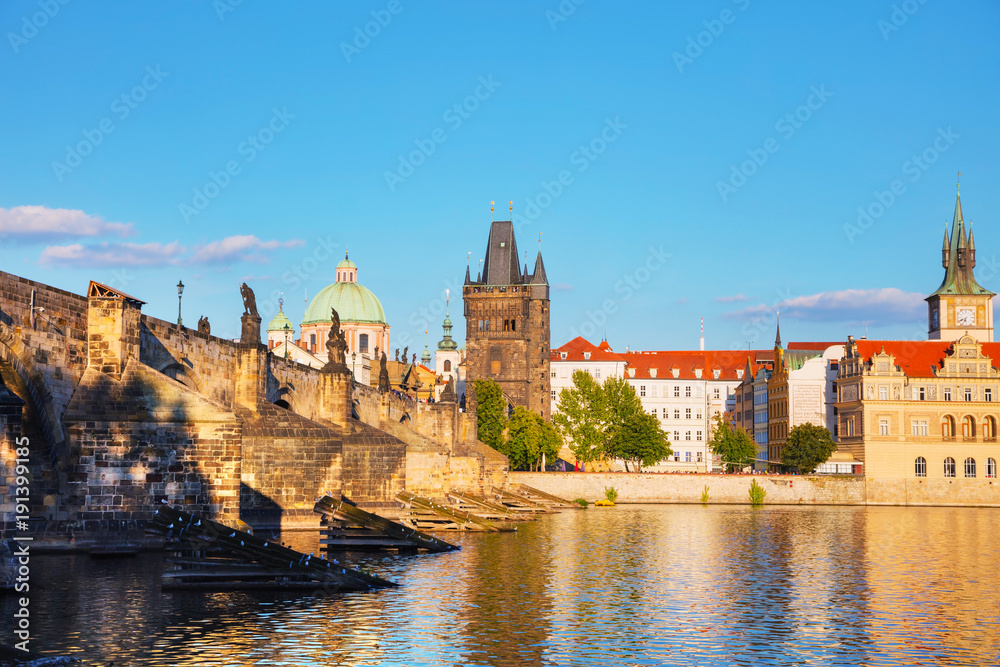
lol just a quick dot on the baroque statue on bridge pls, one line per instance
(249, 301)
(336, 345)
(383, 375)
(203, 325)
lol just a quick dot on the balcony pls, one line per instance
(989, 438)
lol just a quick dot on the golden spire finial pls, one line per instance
(958, 183)
(491, 210)
(511, 202)
(539, 241)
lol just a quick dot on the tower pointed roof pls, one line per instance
(777, 330)
(425, 356)
(539, 277)
(958, 276)
(468, 280)
(501, 266)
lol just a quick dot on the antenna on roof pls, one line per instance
(701, 339)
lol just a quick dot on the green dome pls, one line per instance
(347, 264)
(354, 303)
(279, 322)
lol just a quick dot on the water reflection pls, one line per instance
(631, 585)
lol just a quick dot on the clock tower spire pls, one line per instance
(960, 305)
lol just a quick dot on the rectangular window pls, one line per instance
(687, 391)
(922, 394)
(883, 427)
(653, 412)
(677, 413)
(687, 457)
(968, 394)
(687, 435)
(553, 373)
(988, 394)
(687, 413)
(883, 393)
(553, 394)
(597, 372)
(699, 414)
(699, 457)
(642, 390)
(947, 393)
(715, 393)
(677, 391)
(916, 428)
(697, 435)
(923, 427)
(677, 435)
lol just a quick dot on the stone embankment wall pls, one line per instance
(781, 489)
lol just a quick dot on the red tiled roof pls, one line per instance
(686, 361)
(575, 348)
(918, 358)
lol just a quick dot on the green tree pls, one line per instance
(581, 417)
(529, 437)
(549, 440)
(640, 440)
(733, 445)
(491, 413)
(521, 446)
(806, 447)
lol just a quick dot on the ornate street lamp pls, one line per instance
(180, 292)
(287, 330)
(354, 356)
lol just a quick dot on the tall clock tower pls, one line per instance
(961, 305)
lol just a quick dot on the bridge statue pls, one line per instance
(251, 318)
(405, 350)
(397, 354)
(249, 301)
(383, 375)
(336, 346)
(203, 325)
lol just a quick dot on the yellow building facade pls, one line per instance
(928, 409)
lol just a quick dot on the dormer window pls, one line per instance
(739, 374)
(586, 356)
(697, 373)
(562, 355)
(631, 372)
(715, 373)
(676, 372)
(652, 372)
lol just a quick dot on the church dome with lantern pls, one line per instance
(361, 316)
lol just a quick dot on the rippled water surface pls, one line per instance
(630, 585)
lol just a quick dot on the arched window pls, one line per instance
(991, 467)
(447, 365)
(921, 466)
(947, 426)
(970, 467)
(949, 467)
(312, 343)
(363, 343)
(968, 427)
(990, 428)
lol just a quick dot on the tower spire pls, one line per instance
(777, 329)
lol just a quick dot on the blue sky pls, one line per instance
(713, 156)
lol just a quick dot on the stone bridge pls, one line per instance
(123, 410)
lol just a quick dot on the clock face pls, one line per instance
(966, 317)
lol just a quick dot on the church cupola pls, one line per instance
(347, 271)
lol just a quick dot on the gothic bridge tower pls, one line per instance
(507, 324)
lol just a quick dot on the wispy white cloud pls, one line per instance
(221, 254)
(113, 254)
(562, 287)
(38, 223)
(731, 299)
(887, 304)
(246, 248)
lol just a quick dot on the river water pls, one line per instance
(629, 585)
